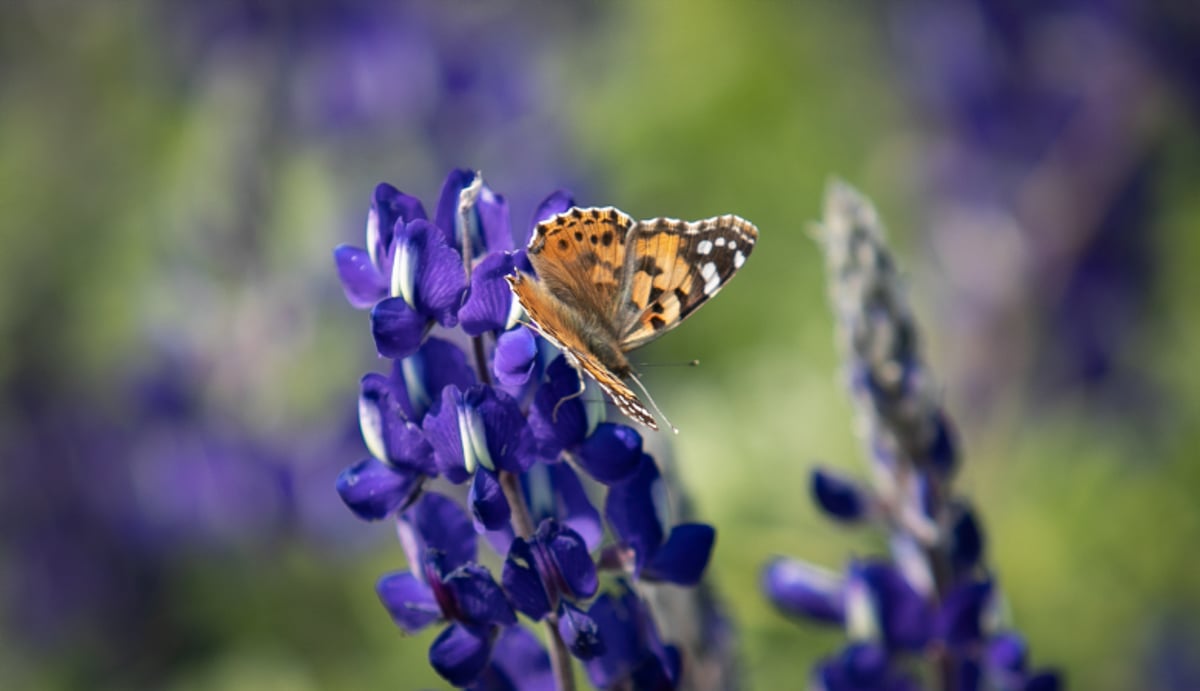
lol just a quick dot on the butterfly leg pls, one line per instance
(564, 399)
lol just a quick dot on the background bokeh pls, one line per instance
(179, 367)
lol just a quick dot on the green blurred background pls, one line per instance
(180, 368)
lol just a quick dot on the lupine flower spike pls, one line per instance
(934, 599)
(471, 397)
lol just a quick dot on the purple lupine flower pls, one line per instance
(931, 599)
(518, 662)
(446, 585)
(634, 654)
(633, 510)
(472, 396)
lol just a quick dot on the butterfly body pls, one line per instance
(607, 284)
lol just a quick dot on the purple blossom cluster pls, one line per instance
(935, 600)
(475, 432)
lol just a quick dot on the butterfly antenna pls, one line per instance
(564, 399)
(654, 405)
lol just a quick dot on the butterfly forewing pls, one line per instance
(580, 255)
(672, 267)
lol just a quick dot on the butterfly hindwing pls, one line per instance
(580, 255)
(672, 267)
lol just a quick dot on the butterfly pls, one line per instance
(607, 284)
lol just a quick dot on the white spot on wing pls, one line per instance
(720, 242)
(738, 260)
(712, 280)
(704, 247)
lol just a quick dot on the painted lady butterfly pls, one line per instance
(607, 284)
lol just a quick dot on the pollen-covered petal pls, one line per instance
(804, 590)
(570, 553)
(516, 356)
(437, 522)
(633, 514)
(362, 282)
(461, 652)
(438, 281)
(397, 328)
(839, 497)
(487, 305)
(410, 602)
(683, 557)
(373, 490)
(612, 453)
(523, 581)
(579, 632)
(480, 599)
(487, 502)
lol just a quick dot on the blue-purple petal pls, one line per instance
(966, 540)
(461, 652)
(516, 356)
(436, 522)
(619, 632)
(489, 222)
(487, 502)
(570, 553)
(961, 619)
(1044, 681)
(803, 590)
(440, 280)
(389, 206)
(523, 581)
(683, 557)
(442, 431)
(554, 491)
(373, 490)
(905, 618)
(579, 632)
(478, 597)
(612, 454)
(418, 380)
(490, 300)
(1007, 651)
(555, 203)
(409, 600)
(361, 280)
(632, 514)
(519, 663)
(558, 418)
(508, 437)
(841, 498)
(397, 328)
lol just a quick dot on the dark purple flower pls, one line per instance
(478, 428)
(447, 587)
(387, 430)
(427, 286)
(633, 652)
(609, 452)
(487, 226)
(579, 632)
(418, 380)
(366, 274)
(515, 358)
(373, 490)
(860, 667)
(962, 619)
(553, 564)
(519, 663)
(489, 304)
(633, 513)
(553, 490)
(841, 498)
(804, 590)
(879, 600)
